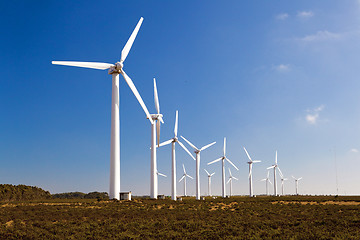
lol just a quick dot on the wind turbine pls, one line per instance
(267, 179)
(173, 141)
(282, 182)
(230, 181)
(274, 166)
(197, 152)
(223, 158)
(160, 174)
(296, 184)
(209, 182)
(115, 70)
(155, 134)
(250, 172)
(184, 178)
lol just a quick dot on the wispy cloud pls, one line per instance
(312, 117)
(354, 150)
(321, 36)
(282, 16)
(305, 14)
(281, 67)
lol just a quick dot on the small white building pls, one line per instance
(125, 196)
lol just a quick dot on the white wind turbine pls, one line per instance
(267, 179)
(250, 172)
(155, 135)
(230, 181)
(296, 184)
(275, 166)
(209, 182)
(184, 178)
(282, 182)
(197, 152)
(223, 158)
(173, 171)
(160, 174)
(115, 70)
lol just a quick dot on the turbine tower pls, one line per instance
(250, 172)
(267, 179)
(197, 152)
(209, 182)
(173, 171)
(282, 182)
(155, 135)
(115, 70)
(184, 178)
(275, 166)
(296, 184)
(223, 158)
(230, 181)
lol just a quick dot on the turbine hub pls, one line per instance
(117, 68)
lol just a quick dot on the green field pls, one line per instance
(291, 217)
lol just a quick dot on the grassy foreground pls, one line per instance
(289, 217)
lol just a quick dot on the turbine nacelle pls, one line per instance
(117, 68)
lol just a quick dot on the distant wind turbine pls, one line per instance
(209, 181)
(115, 70)
(197, 152)
(173, 171)
(222, 159)
(250, 172)
(230, 181)
(282, 182)
(184, 178)
(275, 166)
(155, 135)
(296, 184)
(267, 179)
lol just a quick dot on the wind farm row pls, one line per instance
(156, 120)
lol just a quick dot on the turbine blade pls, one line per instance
(248, 154)
(235, 178)
(205, 147)
(276, 157)
(293, 177)
(256, 161)
(94, 65)
(130, 42)
(137, 95)
(228, 181)
(156, 98)
(161, 119)
(182, 145)
(299, 178)
(281, 174)
(212, 174)
(224, 150)
(270, 182)
(165, 143)
(263, 179)
(207, 172)
(176, 124)
(161, 174)
(189, 176)
(270, 167)
(192, 145)
(231, 163)
(182, 178)
(184, 169)
(219, 159)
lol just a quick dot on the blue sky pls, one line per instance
(268, 75)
